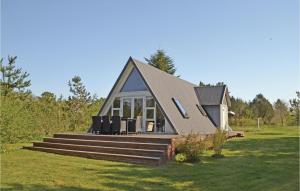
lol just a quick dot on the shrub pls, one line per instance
(180, 157)
(219, 140)
(192, 146)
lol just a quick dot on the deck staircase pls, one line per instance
(136, 149)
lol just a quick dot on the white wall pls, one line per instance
(224, 117)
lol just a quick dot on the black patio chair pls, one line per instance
(115, 124)
(96, 125)
(160, 124)
(131, 126)
(106, 130)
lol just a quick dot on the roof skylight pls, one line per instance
(180, 108)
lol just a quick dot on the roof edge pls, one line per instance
(149, 88)
(115, 84)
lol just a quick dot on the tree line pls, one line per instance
(279, 113)
(260, 108)
(24, 116)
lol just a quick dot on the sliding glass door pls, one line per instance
(127, 105)
(150, 114)
(138, 107)
(143, 109)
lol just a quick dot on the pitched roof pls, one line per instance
(210, 95)
(164, 87)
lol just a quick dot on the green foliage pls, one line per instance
(79, 91)
(192, 146)
(161, 61)
(281, 111)
(262, 108)
(202, 84)
(78, 103)
(243, 112)
(25, 117)
(295, 109)
(12, 78)
(180, 157)
(219, 140)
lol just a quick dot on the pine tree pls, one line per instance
(295, 108)
(78, 103)
(78, 90)
(12, 78)
(161, 61)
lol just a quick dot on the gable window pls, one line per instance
(134, 82)
(180, 108)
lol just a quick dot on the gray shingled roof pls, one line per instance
(164, 87)
(210, 95)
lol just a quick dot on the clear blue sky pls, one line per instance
(253, 46)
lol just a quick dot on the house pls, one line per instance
(166, 104)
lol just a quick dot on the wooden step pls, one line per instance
(154, 161)
(134, 145)
(103, 149)
(121, 138)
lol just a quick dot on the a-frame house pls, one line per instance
(165, 102)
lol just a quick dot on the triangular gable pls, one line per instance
(134, 82)
(124, 76)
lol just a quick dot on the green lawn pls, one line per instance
(266, 159)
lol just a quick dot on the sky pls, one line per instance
(251, 45)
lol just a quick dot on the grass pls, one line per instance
(266, 159)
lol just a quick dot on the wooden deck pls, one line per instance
(147, 149)
(151, 150)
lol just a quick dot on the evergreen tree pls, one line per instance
(202, 84)
(12, 78)
(78, 103)
(295, 108)
(78, 90)
(161, 61)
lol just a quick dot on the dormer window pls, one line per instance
(180, 108)
(201, 110)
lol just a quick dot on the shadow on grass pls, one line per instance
(269, 133)
(259, 164)
(38, 187)
(250, 164)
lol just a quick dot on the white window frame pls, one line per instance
(116, 108)
(154, 112)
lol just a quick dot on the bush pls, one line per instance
(192, 146)
(219, 140)
(25, 117)
(180, 157)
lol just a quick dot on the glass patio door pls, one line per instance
(142, 108)
(127, 105)
(150, 116)
(138, 107)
